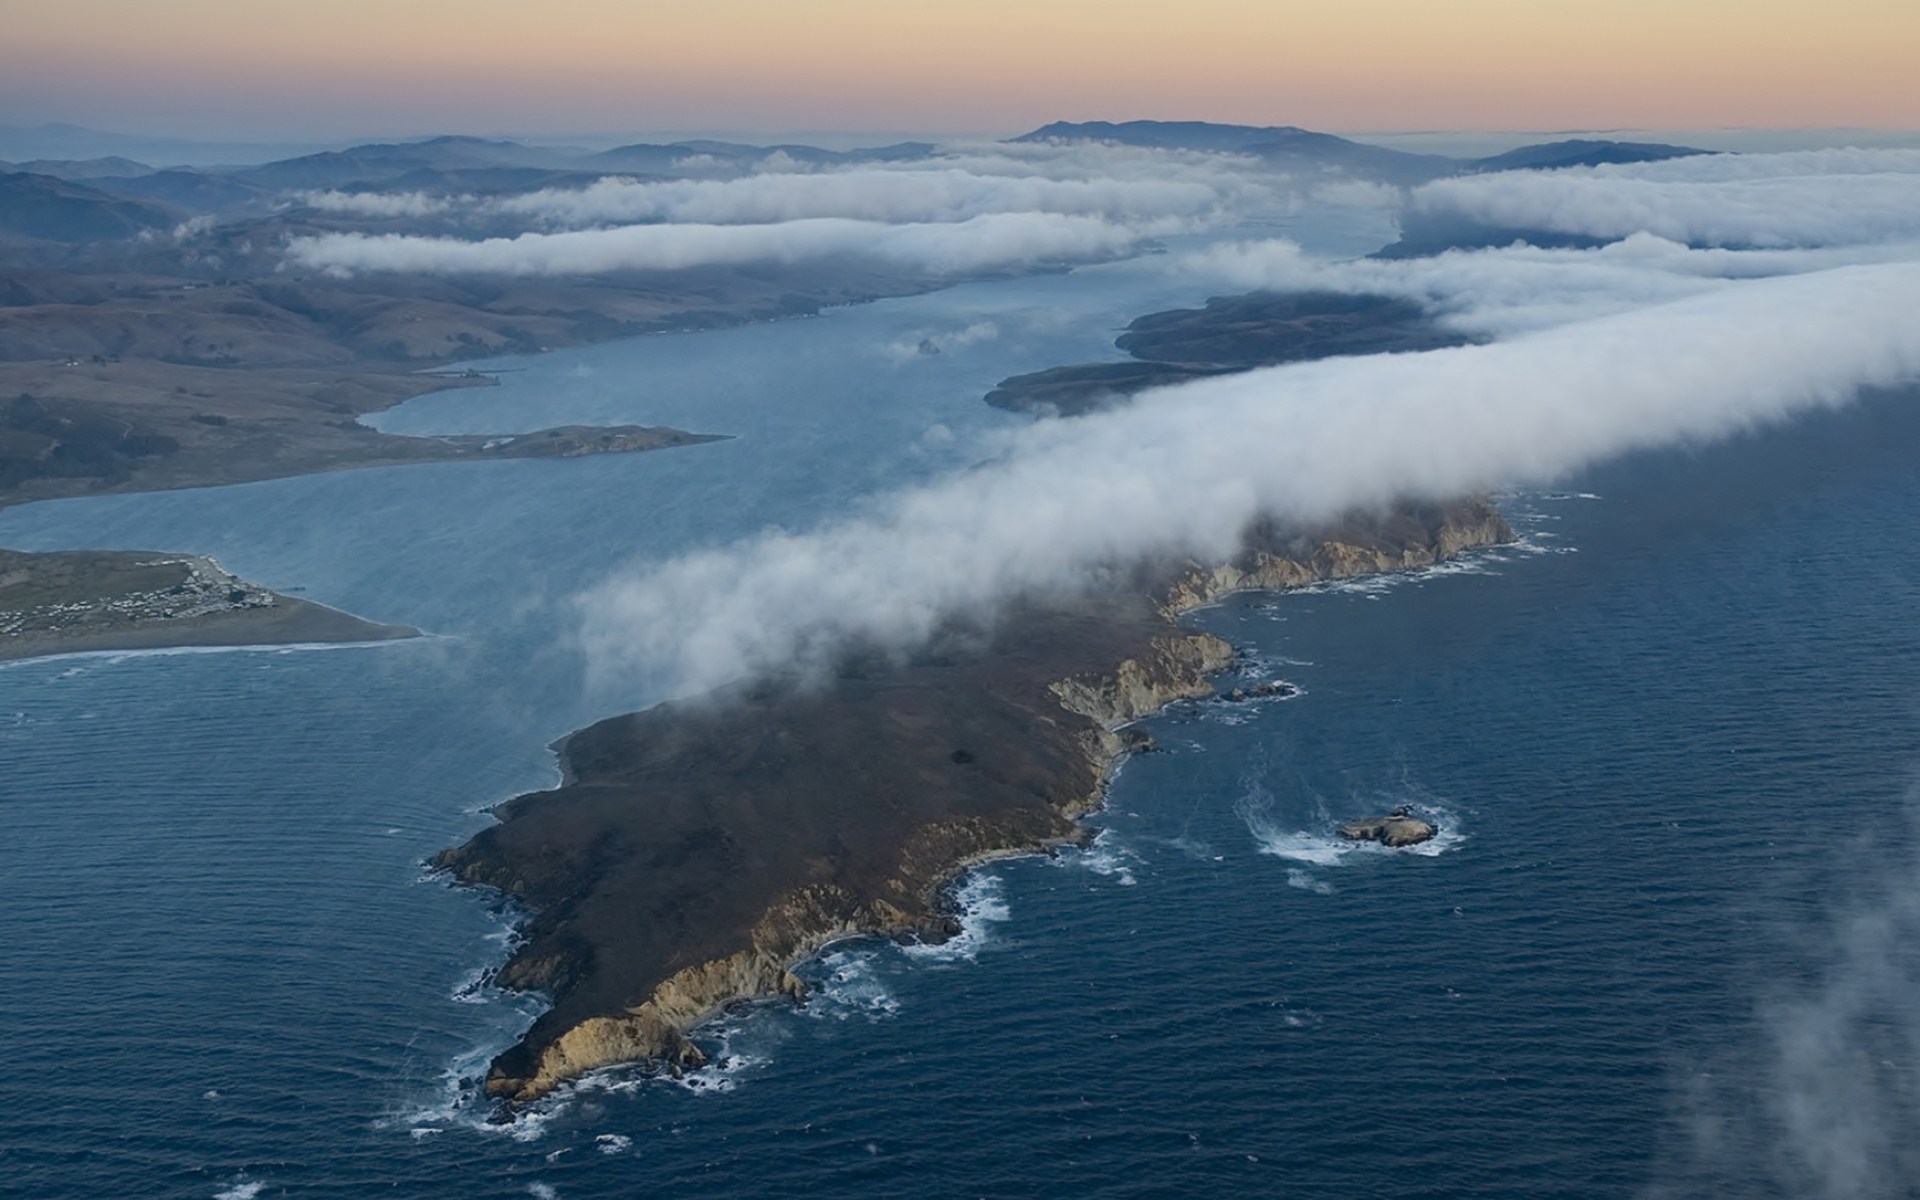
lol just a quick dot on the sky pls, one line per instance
(242, 68)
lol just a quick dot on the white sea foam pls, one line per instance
(1317, 845)
(724, 1070)
(1537, 543)
(1104, 856)
(115, 657)
(847, 984)
(981, 899)
(1223, 714)
(241, 1188)
(1330, 850)
(1307, 881)
(612, 1143)
(1374, 586)
(456, 1098)
(1320, 850)
(472, 988)
(542, 1191)
(726, 1064)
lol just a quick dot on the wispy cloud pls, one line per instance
(1817, 1096)
(988, 242)
(376, 204)
(867, 195)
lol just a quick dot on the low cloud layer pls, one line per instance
(982, 243)
(376, 204)
(876, 194)
(1808, 198)
(1183, 471)
(1522, 288)
(967, 208)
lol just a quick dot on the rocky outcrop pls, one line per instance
(1398, 828)
(697, 852)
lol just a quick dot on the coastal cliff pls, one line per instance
(698, 850)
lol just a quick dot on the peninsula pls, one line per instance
(697, 851)
(77, 601)
(74, 429)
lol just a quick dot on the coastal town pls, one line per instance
(64, 595)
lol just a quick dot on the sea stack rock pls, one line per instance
(1398, 828)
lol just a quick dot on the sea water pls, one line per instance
(1664, 945)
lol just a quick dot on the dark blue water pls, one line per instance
(1665, 947)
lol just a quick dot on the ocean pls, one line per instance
(1665, 946)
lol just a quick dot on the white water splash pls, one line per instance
(1316, 844)
(1105, 856)
(982, 902)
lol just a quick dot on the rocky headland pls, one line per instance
(86, 600)
(697, 851)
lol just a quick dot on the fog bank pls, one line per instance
(1183, 470)
(1806, 198)
(988, 242)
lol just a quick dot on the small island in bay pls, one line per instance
(76, 601)
(697, 851)
(1229, 335)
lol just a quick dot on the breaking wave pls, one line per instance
(982, 903)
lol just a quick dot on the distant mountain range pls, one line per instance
(1278, 145)
(112, 196)
(48, 208)
(1289, 145)
(68, 142)
(1581, 152)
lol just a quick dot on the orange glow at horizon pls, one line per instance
(990, 64)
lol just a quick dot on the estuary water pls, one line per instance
(1665, 946)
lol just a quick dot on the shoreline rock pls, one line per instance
(1397, 829)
